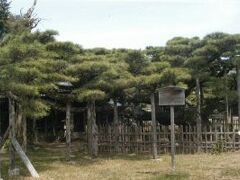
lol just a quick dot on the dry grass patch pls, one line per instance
(51, 164)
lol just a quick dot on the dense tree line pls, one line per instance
(35, 69)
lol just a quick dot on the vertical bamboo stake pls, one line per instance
(205, 138)
(182, 135)
(234, 139)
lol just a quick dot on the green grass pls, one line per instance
(49, 160)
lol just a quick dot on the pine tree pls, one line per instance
(89, 69)
(114, 81)
(65, 52)
(4, 15)
(152, 75)
(27, 73)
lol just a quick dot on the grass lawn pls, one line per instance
(49, 160)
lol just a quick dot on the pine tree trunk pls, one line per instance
(92, 129)
(116, 124)
(21, 127)
(35, 133)
(54, 124)
(154, 132)
(24, 133)
(19, 116)
(12, 134)
(226, 99)
(199, 119)
(227, 108)
(68, 129)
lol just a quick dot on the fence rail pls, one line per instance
(138, 139)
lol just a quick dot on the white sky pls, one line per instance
(133, 23)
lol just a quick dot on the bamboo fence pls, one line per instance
(138, 138)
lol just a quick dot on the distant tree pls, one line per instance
(26, 74)
(4, 16)
(25, 21)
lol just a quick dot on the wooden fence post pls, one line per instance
(182, 138)
(138, 139)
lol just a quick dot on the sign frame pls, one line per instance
(171, 96)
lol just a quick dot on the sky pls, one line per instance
(133, 24)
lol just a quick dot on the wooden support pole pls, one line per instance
(172, 140)
(24, 158)
(154, 132)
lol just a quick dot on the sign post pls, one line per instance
(172, 139)
(172, 96)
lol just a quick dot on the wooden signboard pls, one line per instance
(171, 96)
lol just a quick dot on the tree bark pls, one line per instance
(68, 129)
(226, 99)
(92, 129)
(154, 131)
(19, 117)
(35, 133)
(199, 119)
(21, 127)
(54, 124)
(24, 133)
(116, 124)
(12, 134)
